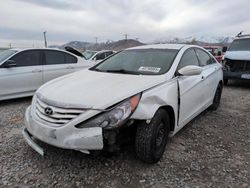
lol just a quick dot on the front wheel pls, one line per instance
(151, 139)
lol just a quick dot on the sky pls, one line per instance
(22, 22)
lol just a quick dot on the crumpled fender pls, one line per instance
(165, 94)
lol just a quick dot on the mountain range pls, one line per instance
(126, 43)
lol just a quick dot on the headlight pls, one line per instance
(115, 117)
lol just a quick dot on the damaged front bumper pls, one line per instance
(67, 136)
(236, 75)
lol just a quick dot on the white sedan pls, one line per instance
(148, 93)
(23, 71)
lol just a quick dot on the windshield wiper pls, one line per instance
(123, 71)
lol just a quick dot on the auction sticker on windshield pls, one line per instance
(150, 69)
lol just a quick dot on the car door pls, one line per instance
(190, 88)
(58, 63)
(209, 73)
(24, 78)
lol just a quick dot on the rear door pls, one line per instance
(23, 79)
(58, 63)
(209, 74)
(191, 89)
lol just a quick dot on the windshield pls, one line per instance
(6, 53)
(88, 54)
(139, 61)
(240, 45)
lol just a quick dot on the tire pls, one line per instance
(151, 139)
(217, 97)
(225, 82)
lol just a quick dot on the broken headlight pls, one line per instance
(114, 117)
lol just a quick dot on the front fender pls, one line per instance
(165, 94)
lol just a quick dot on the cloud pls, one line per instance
(57, 4)
(66, 20)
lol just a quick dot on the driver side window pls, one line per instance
(189, 58)
(27, 58)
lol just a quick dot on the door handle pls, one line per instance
(202, 77)
(37, 70)
(70, 67)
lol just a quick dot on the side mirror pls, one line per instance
(9, 63)
(219, 53)
(224, 49)
(190, 70)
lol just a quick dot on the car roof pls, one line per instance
(242, 37)
(23, 49)
(55, 49)
(161, 46)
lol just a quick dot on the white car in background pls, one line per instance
(23, 71)
(237, 59)
(97, 56)
(148, 93)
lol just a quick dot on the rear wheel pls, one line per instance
(151, 139)
(217, 97)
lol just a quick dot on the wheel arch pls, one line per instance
(170, 111)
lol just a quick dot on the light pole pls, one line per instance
(45, 39)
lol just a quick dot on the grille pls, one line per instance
(59, 116)
(238, 66)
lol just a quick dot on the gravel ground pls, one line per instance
(211, 151)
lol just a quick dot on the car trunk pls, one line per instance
(237, 65)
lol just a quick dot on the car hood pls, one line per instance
(95, 90)
(238, 55)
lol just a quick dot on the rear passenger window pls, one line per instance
(27, 58)
(54, 57)
(189, 58)
(70, 59)
(204, 58)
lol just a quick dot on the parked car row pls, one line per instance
(23, 71)
(146, 93)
